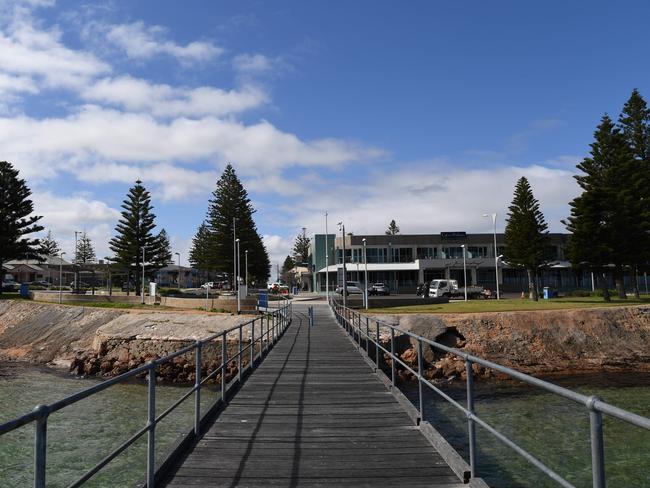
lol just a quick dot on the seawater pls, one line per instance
(81, 435)
(553, 429)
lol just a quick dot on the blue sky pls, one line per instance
(425, 112)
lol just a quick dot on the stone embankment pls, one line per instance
(542, 343)
(95, 341)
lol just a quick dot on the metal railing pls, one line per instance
(267, 332)
(359, 328)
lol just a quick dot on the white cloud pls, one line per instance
(138, 95)
(28, 51)
(140, 41)
(278, 248)
(252, 63)
(41, 148)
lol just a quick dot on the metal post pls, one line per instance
(151, 423)
(142, 284)
(252, 360)
(420, 378)
(61, 277)
(224, 358)
(471, 427)
(40, 446)
(239, 356)
(237, 278)
(597, 445)
(377, 346)
(367, 336)
(345, 273)
(197, 385)
(327, 263)
(392, 356)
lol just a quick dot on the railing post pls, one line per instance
(224, 360)
(40, 446)
(597, 444)
(420, 378)
(252, 360)
(239, 356)
(471, 427)
(367, 336)
(151, 424)
(377, 346)
(197, 385)
(392, 356)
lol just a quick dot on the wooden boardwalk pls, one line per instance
(313, 414)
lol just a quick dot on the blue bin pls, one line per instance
(24, 290)
(547, 294)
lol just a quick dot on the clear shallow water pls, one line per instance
(554, 430)
(82, 434)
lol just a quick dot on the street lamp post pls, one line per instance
(179, 269)
(237, 267)
(142, 283)
(246, 270)
(234, 254)
(327, 264)
(464, 270)
(365, 264)
(61, 277)
(345, 277)
(76, 261)
(496, 259)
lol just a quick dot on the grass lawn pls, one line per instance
(513, 304)
(11, 295)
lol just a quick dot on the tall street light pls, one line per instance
(365, 263)
(246, 270)
(345, 277)
(237, 272)
(61, 277)
(142, 284)
(179, 269)
(496, 259)
(234, 253)
(76, 260)
(464, 270)
(327, 264)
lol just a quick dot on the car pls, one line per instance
(10, 285)
(43, 283)
(353, 288)
(379, 289)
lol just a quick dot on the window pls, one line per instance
(339, 253)
(376, 255)
(455, 252)
(477, 252)
(427, 252)
(402, 255)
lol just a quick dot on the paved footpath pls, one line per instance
(313, 414)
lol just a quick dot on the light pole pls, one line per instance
(76, 260)
(365, 264)
(496, 259)
(327, 264)
(234, 254)
(345, 277)
(465, 270)
(61, 277)
(237, 274)
(246, 270)
(179, 269)
(142, 284)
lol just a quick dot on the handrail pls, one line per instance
(277, 320)
(351, 320)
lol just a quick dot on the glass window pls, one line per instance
(477, 252)
(427, 252)
(455, 252)
(376, 254)
(402, 254)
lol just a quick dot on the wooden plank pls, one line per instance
(313, 414)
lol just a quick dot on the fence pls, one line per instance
(269, 329)
(355, 323)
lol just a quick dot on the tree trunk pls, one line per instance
(603, 283)
(637, 294)
(618, 280)
(532, 285)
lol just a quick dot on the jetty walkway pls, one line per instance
(313, 414)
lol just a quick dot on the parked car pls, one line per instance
(10, 285)
(450, 289)
(353, 288)
(43, 283)
(379, 289)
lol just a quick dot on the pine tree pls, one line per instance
(16, 219)
(393, 229)
(287, 271)
(526, 234)
(230, 206)
(603, 213)
(85, 252)
(48, 246)
(301, 247)
(634, 122)
(200, 252)
(134, 233)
